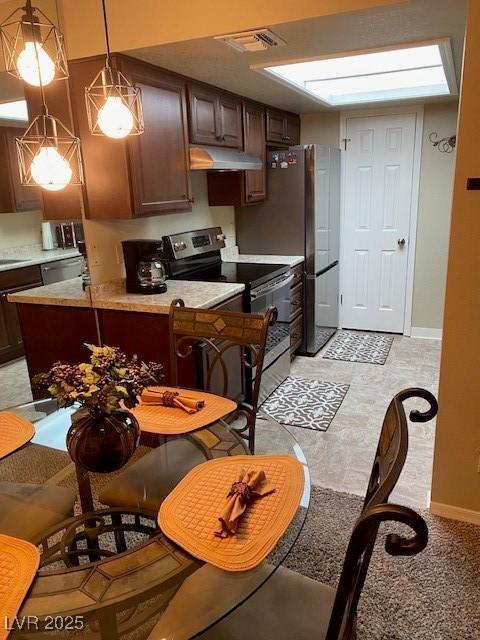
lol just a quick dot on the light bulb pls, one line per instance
(50, 170)
(115, 118)
(34, 70)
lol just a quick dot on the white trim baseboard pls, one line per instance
(426, 332)
(455, 513)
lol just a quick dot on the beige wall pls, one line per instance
(434, 212)
(104, 238)
(456, 477)
(20, 229)
(145, 23)
(436, 174)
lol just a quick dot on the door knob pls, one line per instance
(401, 242)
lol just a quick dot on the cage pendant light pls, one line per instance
(49, 154)
(33, 48)
(114, 105)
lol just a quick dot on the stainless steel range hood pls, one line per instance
(222, 159)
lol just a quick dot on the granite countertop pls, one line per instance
(292, 261)
(68, 293)
(28, 256)
(112, 295)
(202, 295)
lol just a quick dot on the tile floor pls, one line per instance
(341, 458)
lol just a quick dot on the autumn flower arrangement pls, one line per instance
(110, 382)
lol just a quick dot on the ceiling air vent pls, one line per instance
(257, 40)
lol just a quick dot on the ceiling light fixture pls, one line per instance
(33, 47)
(114, 106)
(409, 71)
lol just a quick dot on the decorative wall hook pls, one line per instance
(445, 145)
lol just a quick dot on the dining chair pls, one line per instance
(290, 605)
(27, 510)
(227, 348)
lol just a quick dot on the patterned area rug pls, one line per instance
(304, 402)
(359, 346)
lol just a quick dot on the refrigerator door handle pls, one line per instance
(320, 272)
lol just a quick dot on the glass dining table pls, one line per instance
(110, 572)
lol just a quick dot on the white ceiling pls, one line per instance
(212, 61)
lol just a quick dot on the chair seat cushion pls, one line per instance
(148, 481)
(27, 510)
(288, 606)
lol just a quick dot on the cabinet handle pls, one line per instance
(295, 303)
(296, 336)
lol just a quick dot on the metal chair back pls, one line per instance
(215, 338)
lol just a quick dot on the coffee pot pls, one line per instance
(144, 266)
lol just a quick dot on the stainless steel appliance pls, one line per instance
(59, 270)
(68, 234)
(195, 255)
(144, 267)
(302, 217)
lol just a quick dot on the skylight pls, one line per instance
(394, 74)
(14, 110)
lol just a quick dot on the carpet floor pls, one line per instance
(432, 596)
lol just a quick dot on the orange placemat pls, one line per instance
(189, 515)
(15, 431)
(19, 562)
(172, 420)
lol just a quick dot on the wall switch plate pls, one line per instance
(94, 258)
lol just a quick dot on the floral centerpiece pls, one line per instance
(104, 434)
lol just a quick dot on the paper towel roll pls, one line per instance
(47, 236)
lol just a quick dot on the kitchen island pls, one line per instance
(57, 320)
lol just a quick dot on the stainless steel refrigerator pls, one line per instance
(301, 216)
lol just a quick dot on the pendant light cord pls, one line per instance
(107, 39)
(29, 12)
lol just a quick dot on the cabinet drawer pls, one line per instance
(297, 273)
(296, 301)
(296, 333)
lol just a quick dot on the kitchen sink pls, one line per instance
(10, 261)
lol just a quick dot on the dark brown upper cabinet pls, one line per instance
(14, 196)
(140, 175)
(243, 187)
(215, 117)
(283, 128)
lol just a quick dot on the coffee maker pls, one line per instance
(144, 266)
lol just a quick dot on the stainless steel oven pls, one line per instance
(276, 366)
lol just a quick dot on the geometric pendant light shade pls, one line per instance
(49, 155)
(33, 47)
(114, 105)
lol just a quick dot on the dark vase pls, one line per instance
(102, 443)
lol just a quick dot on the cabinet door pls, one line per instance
(15, 197)
(204, 119)
(11, 345)
(292, 129)
(230, 118)
(254, 143)
(25, 198)
(159, 161)
(275, 126)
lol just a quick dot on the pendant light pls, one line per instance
(114, 106)
(33, 47)
(49, 154)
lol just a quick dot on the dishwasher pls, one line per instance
(62, 269)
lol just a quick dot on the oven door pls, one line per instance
(276, 365)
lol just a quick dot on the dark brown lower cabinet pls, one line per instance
(12, 281)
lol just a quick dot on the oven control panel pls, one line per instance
(191, 243)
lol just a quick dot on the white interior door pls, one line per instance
(378, 185)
